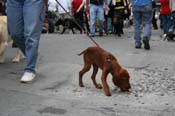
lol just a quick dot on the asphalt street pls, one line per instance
(55, 91)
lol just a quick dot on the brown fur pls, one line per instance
(99, 58)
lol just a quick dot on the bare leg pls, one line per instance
(19, 55)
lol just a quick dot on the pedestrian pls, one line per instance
(165, 12)
(120, 10)
(77, 8)
(25, 20)
(96, 12)
(142, 14)
(108, 18)
(66, 4)
(52, 5)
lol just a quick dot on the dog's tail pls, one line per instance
(81, 53)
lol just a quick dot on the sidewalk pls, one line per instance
(55, 91)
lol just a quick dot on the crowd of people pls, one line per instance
(95, 17)
(108, 16)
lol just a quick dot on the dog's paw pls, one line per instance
(108, 94)
(81, 85)
(99, 86)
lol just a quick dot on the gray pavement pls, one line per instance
(55, 91)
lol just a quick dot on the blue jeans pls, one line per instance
(166, 23)
(109, 24)
(172, 23)
(25, 20)
(96, 12)
(142, 15)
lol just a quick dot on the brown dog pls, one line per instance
(99, 58)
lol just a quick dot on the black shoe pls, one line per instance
(146, 43)
(170, 36)
(138, 46)
(101, 34)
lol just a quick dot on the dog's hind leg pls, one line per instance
(95, 70)
(85, 69)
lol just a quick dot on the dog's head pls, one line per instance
(121, 80)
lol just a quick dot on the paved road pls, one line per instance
(55, 91)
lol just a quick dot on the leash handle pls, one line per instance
(87, 33)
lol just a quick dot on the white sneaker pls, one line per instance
(28, 77)
(164, 36)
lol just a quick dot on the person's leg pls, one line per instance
(114, 20)
(16, 22)
(147, 23)
(86, 23)
(100, 15)
(164, 24)
(33, 20)
(121, 21)
(172, 23)
(79, 18)
(154, 20)
(109, 24)
(93, 10)
(137, 23)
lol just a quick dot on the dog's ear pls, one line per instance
(124, 73)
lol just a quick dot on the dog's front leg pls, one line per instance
(95, 70)
(104, 83)
(73, 31)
